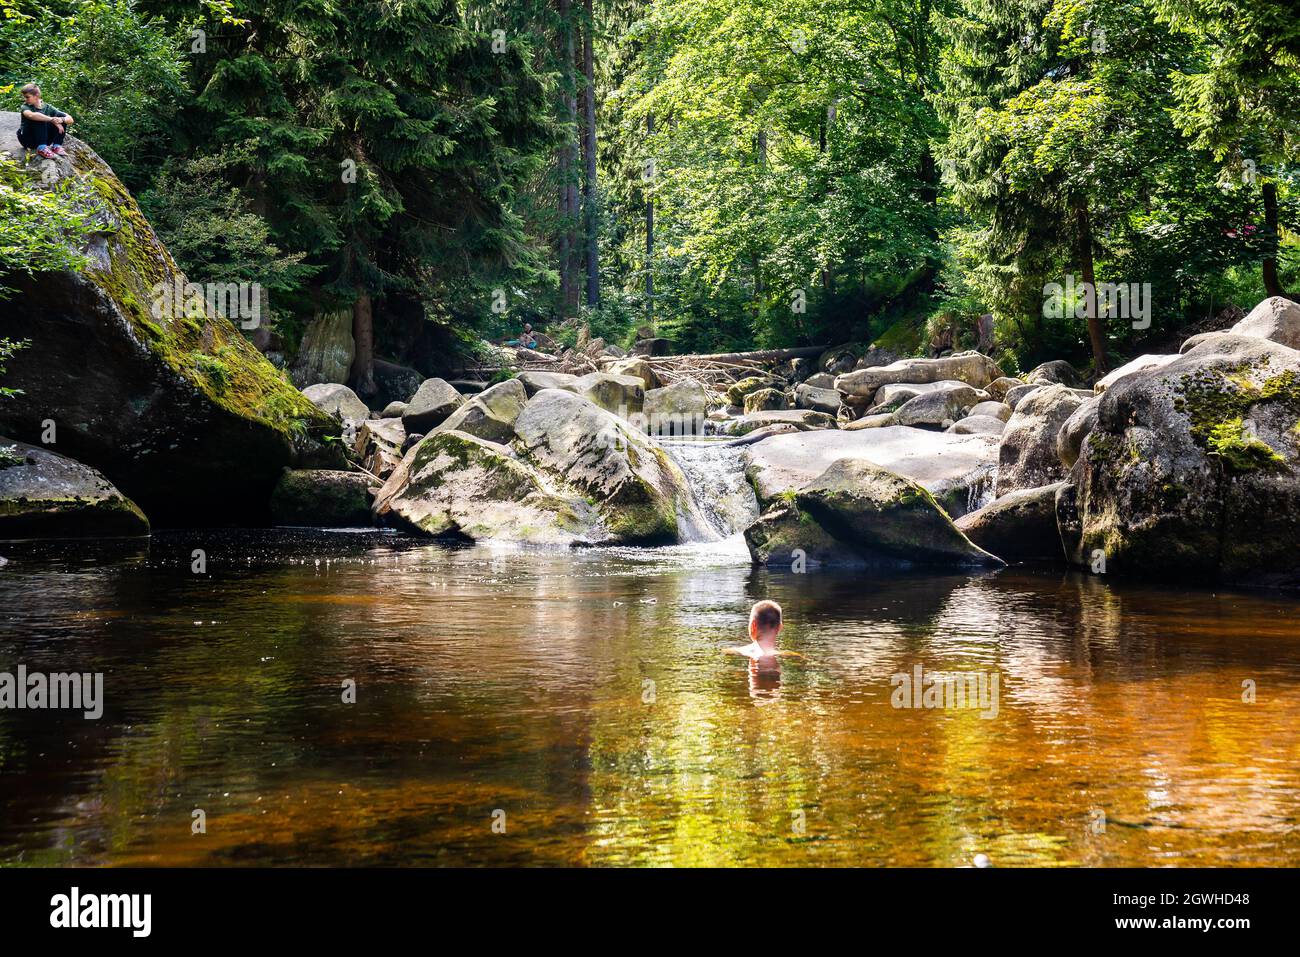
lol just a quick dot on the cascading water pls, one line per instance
(715, 471)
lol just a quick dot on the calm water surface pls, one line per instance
(585, 695)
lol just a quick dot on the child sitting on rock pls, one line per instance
(43, 126)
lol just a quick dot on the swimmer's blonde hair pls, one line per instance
(766, 614)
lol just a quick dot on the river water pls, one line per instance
(581, 703)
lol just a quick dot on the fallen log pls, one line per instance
(762, 355)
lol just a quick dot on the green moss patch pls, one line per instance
(1217, 404)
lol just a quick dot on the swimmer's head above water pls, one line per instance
(765, 624)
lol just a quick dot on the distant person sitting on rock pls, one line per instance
(43, 126)
(764, 625)
(527, 340)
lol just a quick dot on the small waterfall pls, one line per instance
(716, 474)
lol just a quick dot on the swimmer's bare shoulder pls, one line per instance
(747, 651)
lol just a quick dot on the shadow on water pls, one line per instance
(584, 696)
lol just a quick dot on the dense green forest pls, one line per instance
(726, 173)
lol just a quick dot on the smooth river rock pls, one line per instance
(1019, 526)
(1028, 456)
(641, 493)
(47, 495)
(956, 469)
(972, 368)
(858, 513)
(454, 484)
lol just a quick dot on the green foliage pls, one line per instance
(7, 348)
(209, 227)
(823, 170)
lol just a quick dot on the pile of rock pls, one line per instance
(1177, 466)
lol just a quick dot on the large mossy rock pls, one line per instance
(1018, 527)
(641, 493)
(621, 394)
(454, 484)
(873, 516)
(329, 498)
(45, 495)
(1028, 457)
(765, 400)
(175, 406)
(684, 398)
(1193, 470)
(956, 469)
(737, 391)
(676, 409)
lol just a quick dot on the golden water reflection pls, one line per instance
(586, 696)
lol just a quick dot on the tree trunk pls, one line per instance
(569, 186)
(1096, 327)
(1272, 285)
(650, 236)
(760, 355)
(363, 337)
(591, 221)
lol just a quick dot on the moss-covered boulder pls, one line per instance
(765, 400)
(139, 374)
(454, 484)
(737, 391)
(329, 498)
(1192, 470)
(640, 492)
(45, 495)
(875, 517)
(621, 394)
(786, 537)
(956, 469)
